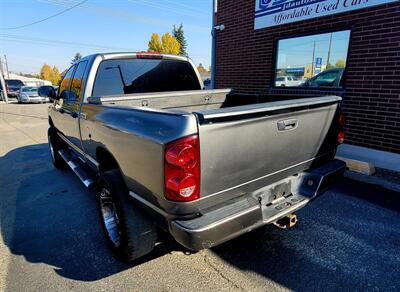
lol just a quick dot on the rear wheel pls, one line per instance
(55, 144)
(128, 231)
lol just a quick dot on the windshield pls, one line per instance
(29, 89)
(14, 82)
(124, 76)
(280, 79)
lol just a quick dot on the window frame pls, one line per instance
(79, 100)
(342, 84)
(74, 66)
(201, 85)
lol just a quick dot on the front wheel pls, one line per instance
(128, 231)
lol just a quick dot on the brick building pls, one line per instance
(248, 59)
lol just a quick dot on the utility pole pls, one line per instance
(329, 51)
(3, 83)
(8, 72)
(312, 64)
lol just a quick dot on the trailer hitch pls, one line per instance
(286, 222)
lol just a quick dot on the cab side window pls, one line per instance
(75, 95)
(65, 84)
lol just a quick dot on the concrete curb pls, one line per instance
(373, 180)
(377, 158)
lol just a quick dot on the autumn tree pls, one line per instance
(170, 45)
(178, 33)
(55, 75)
(167, 45)
(45, 72)
(76, 58)
(340, 63)
(155, 43)
(201, 68)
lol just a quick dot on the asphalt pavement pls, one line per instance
(50, 237)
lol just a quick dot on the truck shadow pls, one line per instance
(47, 216)
(348, 239)
(343, 239)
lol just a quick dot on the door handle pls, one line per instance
(287, 124)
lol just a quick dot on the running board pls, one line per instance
(76, 167)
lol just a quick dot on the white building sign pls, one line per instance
(275, 12)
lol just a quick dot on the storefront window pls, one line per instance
(312, 61)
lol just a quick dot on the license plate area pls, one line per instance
(280, 199)
(274, 211)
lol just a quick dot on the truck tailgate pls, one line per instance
(247, 147)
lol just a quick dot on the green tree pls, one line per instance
(76, 58)
(340, 63)
(155, 43)
(45, 72)
(178, 33)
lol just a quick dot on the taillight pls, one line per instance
(340, 137)
(182, 169)
(342, 120)
(341, 124)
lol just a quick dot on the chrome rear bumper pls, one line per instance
(264, 206)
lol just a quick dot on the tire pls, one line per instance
(56, 144)
(128, 231)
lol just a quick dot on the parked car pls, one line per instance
(327, 78)
(286, 81)
(29, 94)
(207, 83)
(45, 91)
(161, 152)
(13, 87)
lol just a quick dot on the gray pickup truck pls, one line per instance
(204, 165)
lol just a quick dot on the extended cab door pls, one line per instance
(69, 106)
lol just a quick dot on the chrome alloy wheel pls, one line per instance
(110, 217)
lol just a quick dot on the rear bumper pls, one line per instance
(255, 210)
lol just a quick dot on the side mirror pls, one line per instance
(48, 91)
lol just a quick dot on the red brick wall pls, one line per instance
(245, 62)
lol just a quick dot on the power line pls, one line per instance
(176, 10)
(128, 16)
(44, 19)
(41, 41)
(187, 7)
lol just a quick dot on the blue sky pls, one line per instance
(297, 52)
(97, 26)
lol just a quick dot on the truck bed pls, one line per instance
(188, 101)
(243, 147)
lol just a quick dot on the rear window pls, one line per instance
(124, 76)
(14, 82)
